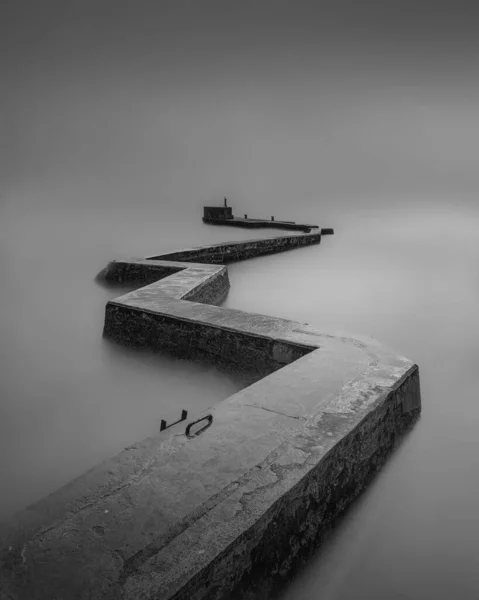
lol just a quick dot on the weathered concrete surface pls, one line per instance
(227, 513)
(234, 251)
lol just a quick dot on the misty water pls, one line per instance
(121, 120)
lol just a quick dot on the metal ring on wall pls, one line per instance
(190, 425)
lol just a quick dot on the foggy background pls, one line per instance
(120, 120)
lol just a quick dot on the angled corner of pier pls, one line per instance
(210, 508)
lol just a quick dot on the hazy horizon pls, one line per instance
(120, 120)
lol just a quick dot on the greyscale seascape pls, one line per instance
(123, 121)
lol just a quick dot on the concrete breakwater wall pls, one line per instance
(234, 251)
(259, 224)
(187, 336)
(229, 508)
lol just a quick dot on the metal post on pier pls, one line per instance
(163, 425)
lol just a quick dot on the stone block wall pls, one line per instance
(190, 339)
(230, 252)
(218, 212)
(141, 272)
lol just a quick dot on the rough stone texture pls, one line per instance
(223, 215)
(229, 512)
(185, 337)
(233, 251)
(141, 271)
(217, 212)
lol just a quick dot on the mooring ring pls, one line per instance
(190, 425)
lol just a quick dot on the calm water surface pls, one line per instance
(408, 278)
(121, 120)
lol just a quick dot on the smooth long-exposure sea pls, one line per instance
(120, 120)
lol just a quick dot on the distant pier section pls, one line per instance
(223, 215)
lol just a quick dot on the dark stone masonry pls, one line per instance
(234, 251)
(230, 510)
(223, 215)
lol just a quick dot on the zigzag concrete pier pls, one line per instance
(224, 508)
